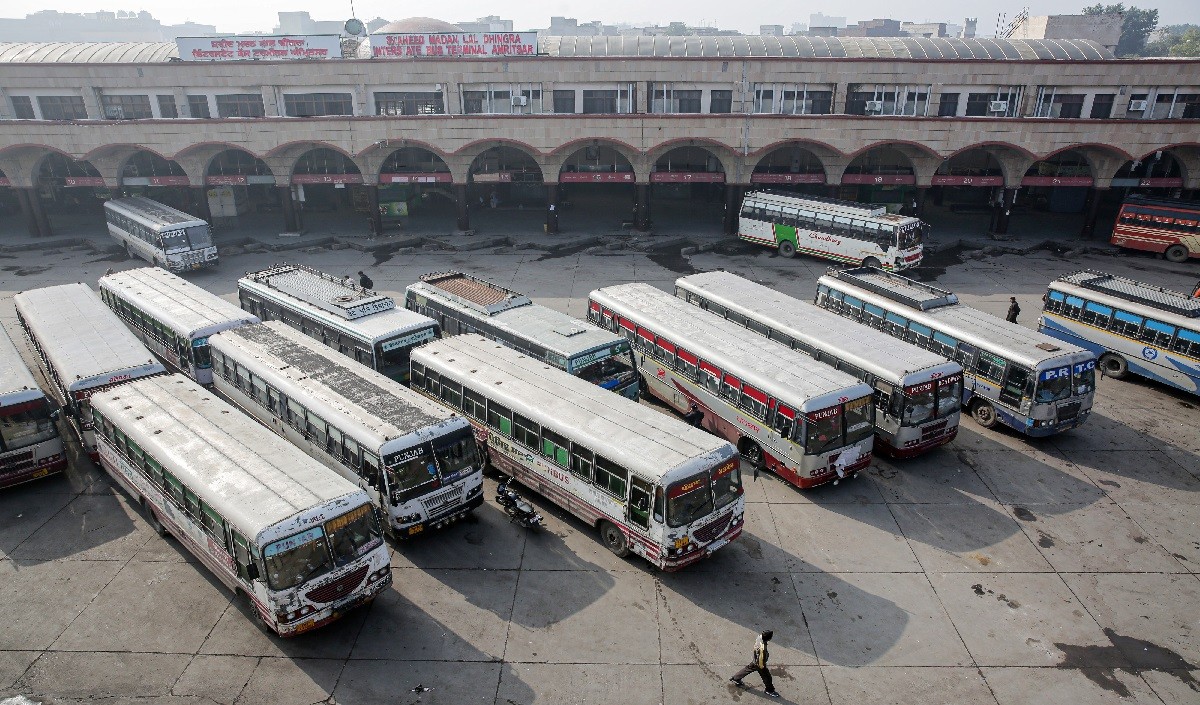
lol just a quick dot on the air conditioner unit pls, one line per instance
(874, 106)
(114, 112)
(520, 101)
(1138, 106)
(998, 106)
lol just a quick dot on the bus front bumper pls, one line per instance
(405, 531)
(912, 449)
(1052, 427)
(672, 564)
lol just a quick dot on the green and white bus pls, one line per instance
(842, 231)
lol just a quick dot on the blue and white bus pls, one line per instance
(1134, 327)
(1033, 383)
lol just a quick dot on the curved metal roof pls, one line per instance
(826, 47)
(650, 47)
(87, 52)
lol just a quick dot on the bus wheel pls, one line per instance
(152, 519)
(787, 249)
(257, 616)
(1176, 253)
(1113, 365)
(613, 539)
(871, 262)
(753, 453)
(984, 414)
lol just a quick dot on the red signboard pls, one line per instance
(1162, 182)
(787, 178)
(599, 177)
(225, 180)
(4, 181)
(83, 181)
(683, 177)
(1056, 181)
(878, 179)
(492, 177)
(327, 178)
(431, 177)
(951, 180)
(169, 181)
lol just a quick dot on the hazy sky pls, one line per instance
(745, 15)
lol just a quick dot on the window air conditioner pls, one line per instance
(1138, 106)
(520, 101)
(874, 106)
(998, 106)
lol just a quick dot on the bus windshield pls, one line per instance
(457, 454)
(910, 237)
(174, 241)
(200, 236)
(932, 400)
(411, 468)
(838, 426)
(393, 354)
(26, 424)
(353, 534)
(689, 500)
(296, 559)
(727, 483)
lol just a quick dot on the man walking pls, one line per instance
(759, 664)
(1013, 310)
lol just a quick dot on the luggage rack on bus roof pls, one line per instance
(475, 293)
(1135, 291)
(914, 294)
(325, 291)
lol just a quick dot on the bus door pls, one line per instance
(638, 510)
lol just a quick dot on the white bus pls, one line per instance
(171, 316)
(842, 231)
(84, 348)
(917, 392)
(461, 303)
(799, 418)
(650, 484)
(160, 234)
(1025, 380)
(416, 460)
(1133, 327)
(359, 323)
(29, 443)
(301, 543)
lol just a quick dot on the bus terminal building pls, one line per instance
(630, 122)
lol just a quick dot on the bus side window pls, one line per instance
(895, 324)
(1054, 301)
(1158, 334)
(1187, 343)
(499, 418)
(1073, 307)
(246, 568)
(370, 470)
(611, 478)
(944, 345)
(417, 378)
(873, 315)
(581, 463)
(965, 356)
(1126, 324)
(1096, 314)
(659, 503)
(351, 453)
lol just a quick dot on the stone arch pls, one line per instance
(373, 156)
(576, 151)
(922, 160)
(1102, 160)
(285, 159)
(796, 162)
(146, 164)
(504, 158)
(695, 155)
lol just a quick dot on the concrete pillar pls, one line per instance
(460, 201)
(200, 197)
(939, 195)
(641, 208)
(733, 206)
(31, 224)
(373, 211)
(291, 214)
(1005, 211)
(1090, 208)
(552, 209)
(39, 213)
(922, 192)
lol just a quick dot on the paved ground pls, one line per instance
(997, 570)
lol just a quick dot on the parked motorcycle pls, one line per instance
(518, 510)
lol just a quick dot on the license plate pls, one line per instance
(305, 626)
(415, 529)
(41, 473)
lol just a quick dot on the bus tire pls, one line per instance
(257, 616)
(871, 262)
(1176, 253)
(152, 519)
(613, 539)
(1113, 365)
(787, 249)
(984, 414)
(753, 453)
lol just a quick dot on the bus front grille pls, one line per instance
(1069, 411)
(437, 501)
(339, 588)
(711, 531)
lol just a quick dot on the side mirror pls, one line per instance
(55, 414)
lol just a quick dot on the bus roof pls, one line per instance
(874, 351)
(237, 466)
(551, 329)
(853, 209)
(17, 383)
(80, 337)
(969, 325)
(175, 302)
(649, 443)
(384, 322)
(151, 211)
(379, 408)
(788, 375)
(1130, 290)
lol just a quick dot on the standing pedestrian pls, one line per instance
(758, 664)
(1013, 310)
(364, 281)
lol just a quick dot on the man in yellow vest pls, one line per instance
(759, 664)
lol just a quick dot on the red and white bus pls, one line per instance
(797, 417)
(29, 443)
(649, 483)
(1169, 227)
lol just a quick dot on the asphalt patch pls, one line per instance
(935, 264)
(674, 262)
